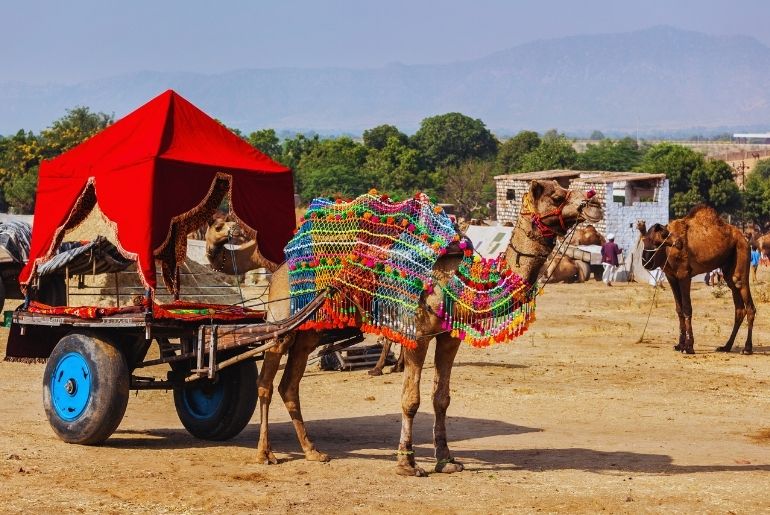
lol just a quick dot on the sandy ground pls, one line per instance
(575, 416)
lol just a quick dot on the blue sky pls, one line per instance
(76, 40)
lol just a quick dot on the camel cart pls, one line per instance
(156, 175)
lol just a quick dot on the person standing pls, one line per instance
(755, 256)
(610, 252)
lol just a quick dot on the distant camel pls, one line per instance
(567, 270)
(698, 243)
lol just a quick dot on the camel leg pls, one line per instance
(689, 338)
(740, 310)
(305, 342)
(410, 403)
(265, 390)
(446, 350)
(751, 311)
(677, 292)
(377, 370)
(399, 366)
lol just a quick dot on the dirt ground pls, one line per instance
(575, 416)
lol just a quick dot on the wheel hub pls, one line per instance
(71, 386)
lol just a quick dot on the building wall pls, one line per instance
(618, 218)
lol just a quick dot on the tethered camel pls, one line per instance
(555, 210)
(244, 256)
(698, 243)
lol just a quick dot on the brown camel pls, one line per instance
(698, 243)
(567, 270)
(555, 208)
(587, 235)
(242, 257)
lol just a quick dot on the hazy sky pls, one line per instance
(75, 40)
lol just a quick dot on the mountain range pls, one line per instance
(654, 81)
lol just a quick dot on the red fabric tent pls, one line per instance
(156, 174)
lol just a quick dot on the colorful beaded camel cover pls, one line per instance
(378, 257)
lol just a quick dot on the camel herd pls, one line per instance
(685, 247)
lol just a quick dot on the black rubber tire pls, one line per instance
(109, 385)
(237, 386)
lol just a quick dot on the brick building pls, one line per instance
(625, 197)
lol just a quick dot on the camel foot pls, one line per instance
(724, 348)
(375, 372)
(688, 350)
(396, 369)
(747, 351)
(678, 347)
(266, 457)
(449, 466)
(408, 470)
(314, 455)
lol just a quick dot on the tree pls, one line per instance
(294, 149)
(20, 192)
(554, 152)
(713, 182)
(512, 151)
(332, 167)
(470, 187)
(452, 138)
(266, 142)
(21, 154)
(597, 135)
(72, 129)
(610, 155)
(676, 161)
(756, 194)
(378, 137)
(395, 169)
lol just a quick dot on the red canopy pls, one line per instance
(157, 174)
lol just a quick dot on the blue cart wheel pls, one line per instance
(71, 386)
(85, 388)
(219, 409)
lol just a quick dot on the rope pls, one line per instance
(235, 266)
(655, 291)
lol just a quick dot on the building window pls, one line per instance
(510, 194)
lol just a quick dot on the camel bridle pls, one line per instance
(528, 208)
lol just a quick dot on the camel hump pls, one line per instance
(704, 214)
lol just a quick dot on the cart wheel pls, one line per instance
(85, 389)
(219, 409)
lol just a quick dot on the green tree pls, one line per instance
(20, 192)
(266, 141)
(20, 154)
(395, 169)
(296, 148)
(512, 151)
(554, 152)
(597, 135)
(676, 161)
(756, 194)
(452, 138)
(72, 129)
(469, 186)
(621, 155)
(378, 137)
(713, 182)
(332, 167)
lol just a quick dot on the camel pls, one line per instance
(701, 242)
(587, 235)
(567, 270)
(555, 210)
(244, 255)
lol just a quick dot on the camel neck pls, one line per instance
(528, 250)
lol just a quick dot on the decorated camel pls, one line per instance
(698, 243)
(242, 256)
(549, 210)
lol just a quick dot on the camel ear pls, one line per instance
(536, 189)
(642, 226)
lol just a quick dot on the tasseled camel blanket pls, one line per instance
(378, 257)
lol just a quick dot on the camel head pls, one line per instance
(655, 243)
(221, 231)
(554, 210)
